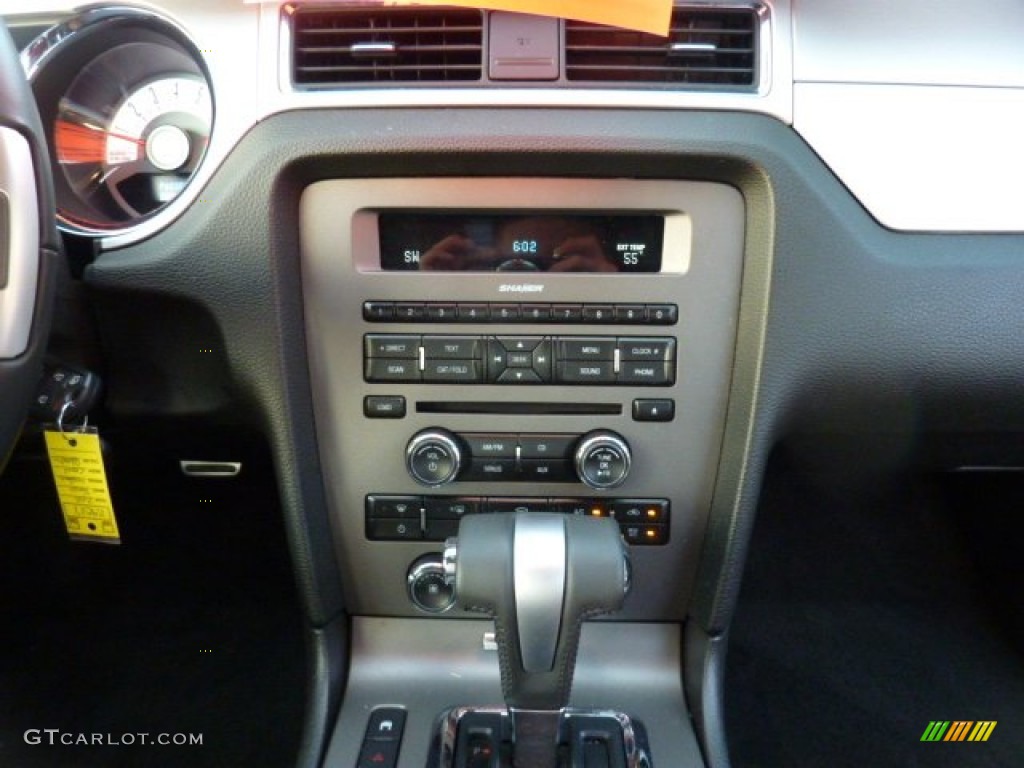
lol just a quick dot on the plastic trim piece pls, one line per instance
(20, 262)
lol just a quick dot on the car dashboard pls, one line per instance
(453, 262)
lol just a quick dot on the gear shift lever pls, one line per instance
(539, 575)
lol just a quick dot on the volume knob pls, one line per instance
(433, 457)
(603, 459)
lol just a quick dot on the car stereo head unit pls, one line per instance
(543, 241)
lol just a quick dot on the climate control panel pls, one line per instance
(599, 459)
(401, 517)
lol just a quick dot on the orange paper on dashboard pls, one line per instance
(651, 16)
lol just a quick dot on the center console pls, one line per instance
(487, 345)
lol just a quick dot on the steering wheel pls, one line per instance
(29, 245)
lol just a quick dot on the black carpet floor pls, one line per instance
(871, 607)
(190, 627)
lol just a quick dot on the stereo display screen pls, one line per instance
(520, 242)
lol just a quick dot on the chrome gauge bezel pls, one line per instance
(54, 59)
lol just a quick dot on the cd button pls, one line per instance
(546, 446)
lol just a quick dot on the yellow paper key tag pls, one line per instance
(78, 472)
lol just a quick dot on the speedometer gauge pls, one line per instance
(143, 155)
(130, 114)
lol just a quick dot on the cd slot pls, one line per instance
(521, 409)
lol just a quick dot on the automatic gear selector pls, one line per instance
(539, 575)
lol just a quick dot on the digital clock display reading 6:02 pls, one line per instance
(521, 242)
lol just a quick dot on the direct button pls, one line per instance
(391, 346)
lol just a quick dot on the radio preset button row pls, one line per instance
(504, 312)
(643, 522)
(593, 360)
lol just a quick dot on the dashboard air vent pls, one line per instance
(706, 47)
(342, 46)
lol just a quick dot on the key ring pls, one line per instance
(60, 423)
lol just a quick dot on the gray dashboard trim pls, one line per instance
(902, 339)
(910, 42)
(429, 665)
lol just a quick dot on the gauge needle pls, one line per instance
(78, 143)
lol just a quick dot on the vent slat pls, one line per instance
(388, 67)
(601, 54)
(655, 51)
(336, 46)
(451, 29)
(410, 48)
